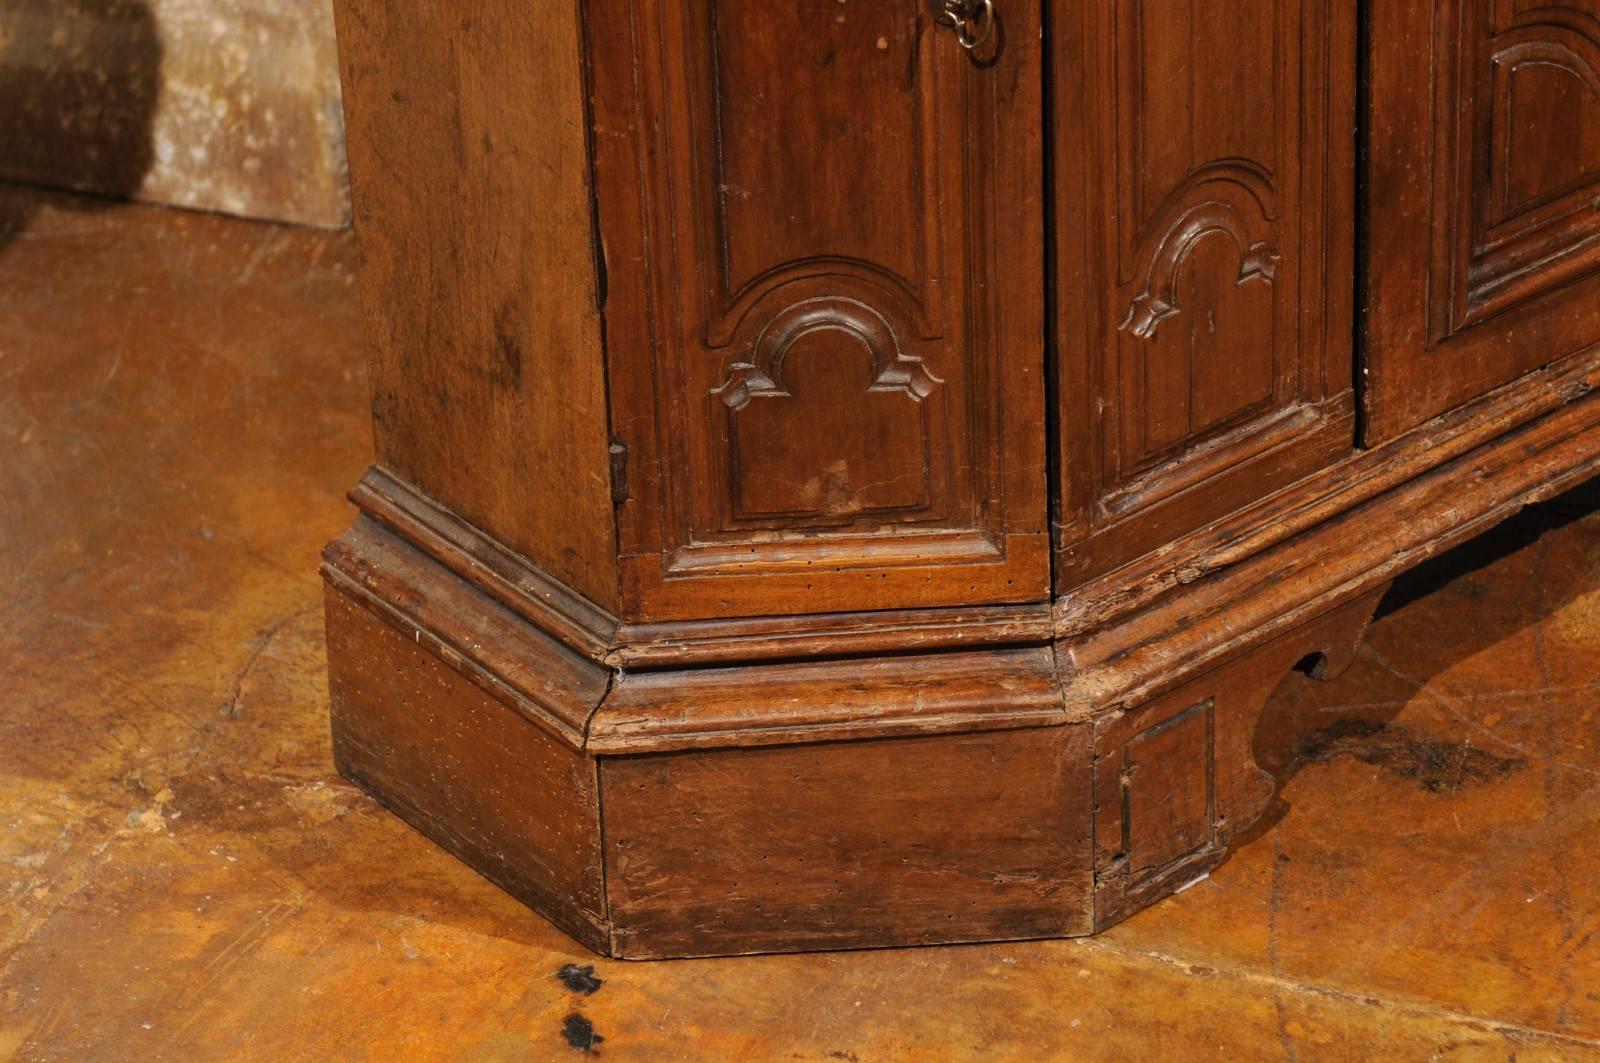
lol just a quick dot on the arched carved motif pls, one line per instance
(1525, 224)
(757, 292)
(762, 374)
(757, 229)
(1159, 298)
(1233, 200)
(1523, 51)
(1554, 53)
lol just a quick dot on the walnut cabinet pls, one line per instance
(851, 472)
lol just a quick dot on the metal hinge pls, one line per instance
(619, 473)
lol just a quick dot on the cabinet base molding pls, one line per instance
(962, 793)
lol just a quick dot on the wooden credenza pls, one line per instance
(851, 472)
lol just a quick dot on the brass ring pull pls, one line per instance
(972, 20)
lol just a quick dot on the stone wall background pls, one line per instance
(223, 105)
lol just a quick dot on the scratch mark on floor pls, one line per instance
(1278, 984)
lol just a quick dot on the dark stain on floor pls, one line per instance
(580, 1034)
(580, 979)
(180, 417)
(1437, 767)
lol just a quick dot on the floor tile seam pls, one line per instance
(1416, 1009)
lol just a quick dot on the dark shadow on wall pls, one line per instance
(79, 84)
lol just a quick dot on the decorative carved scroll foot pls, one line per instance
(1335, 657)
(1176, 780)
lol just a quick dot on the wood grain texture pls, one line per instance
(1204, 193)
(338, 933)
(906, 841)
(501, 573)
(783, 704)
(825, 700)
(470, 180)
(1176, 780)
(1338, 559)
(554, 687)
(1344, 485)
(1482, 168)
(727, 783)
(1353, 482)
(822, 635)
(822, 228)
(466, 769)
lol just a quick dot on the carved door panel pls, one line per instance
(1205, 192)
(1483, 176)
(823, 227)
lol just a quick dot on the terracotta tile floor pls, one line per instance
(181, 409)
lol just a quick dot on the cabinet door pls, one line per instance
(1205, 191)
(823, 231)
(1482, 181)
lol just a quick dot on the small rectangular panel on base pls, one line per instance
(1176, 780)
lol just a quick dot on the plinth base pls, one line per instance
(969, 825)
(1050, 781)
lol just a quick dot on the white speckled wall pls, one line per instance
(226, 105)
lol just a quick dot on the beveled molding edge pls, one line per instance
(595, 709)
(487, 564)
(470, 632)
(733, 641)
(1085, 612)
(602, 708)
(1344, 555)
(780, 681)
(1339, 488)
(589, 629)
(839, 700)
